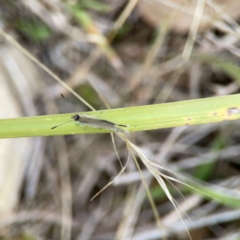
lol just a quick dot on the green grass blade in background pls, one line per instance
(141, 118)
(226, 66)
(214, 192)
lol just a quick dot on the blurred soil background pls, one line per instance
(127, 53)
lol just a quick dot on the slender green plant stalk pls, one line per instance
(142, 118)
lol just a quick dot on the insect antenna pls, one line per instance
(61, 124)
(69, 104)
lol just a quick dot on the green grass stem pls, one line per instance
(141, 118)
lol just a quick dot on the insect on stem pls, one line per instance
(94, 122)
